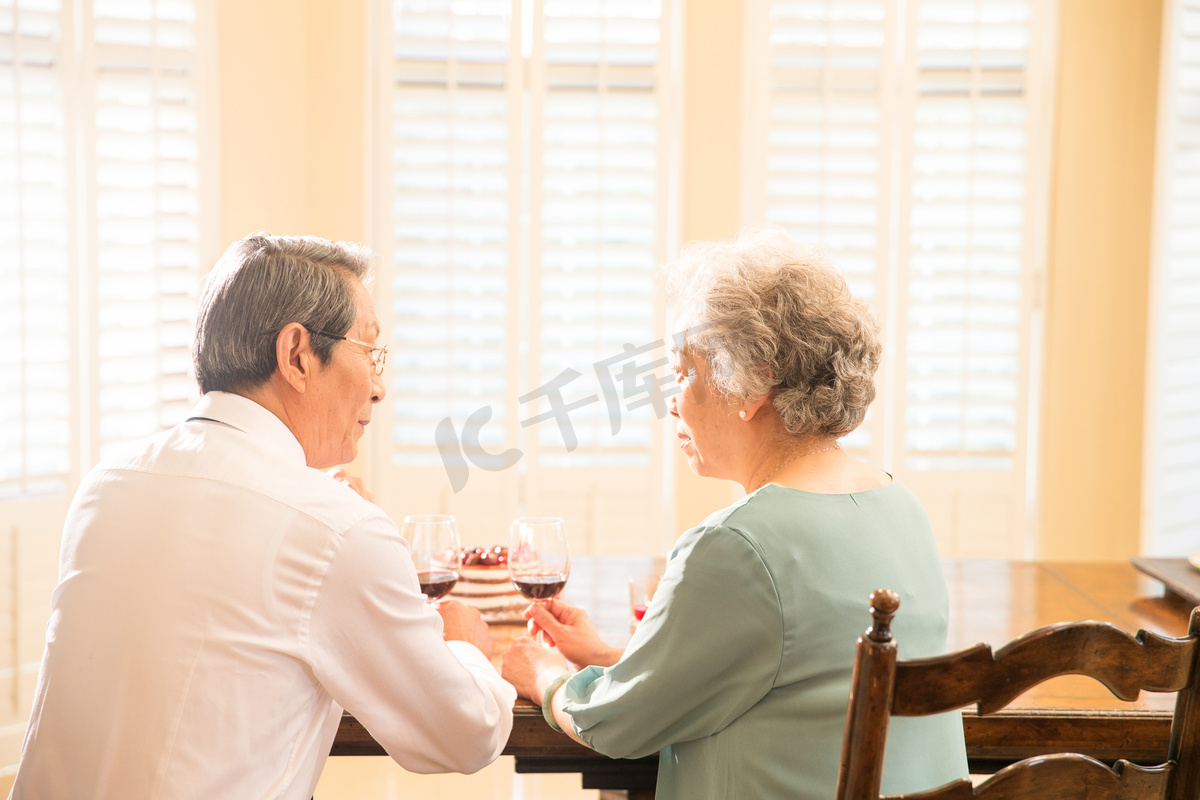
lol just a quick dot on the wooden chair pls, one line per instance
(883, 686)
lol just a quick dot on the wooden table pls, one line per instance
(990, 601)
(996, 601)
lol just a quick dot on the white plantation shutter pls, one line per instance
(971, 256)
(596, 179)
(36, 259)
(450, 222)
(525, 218)
(146, 211)
(937, 103)
(823, 129)
(118, 82)
(968, 237)
(1171, 500)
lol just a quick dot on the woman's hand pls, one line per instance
(531, 668)
(570, 629)
(340, 475)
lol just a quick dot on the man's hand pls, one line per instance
(462, 623)
(530, 668)
(340, 475)
(570, 629)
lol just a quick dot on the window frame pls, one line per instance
(1158, 471)
(946, 494)
(586, 494)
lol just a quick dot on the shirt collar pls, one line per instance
(249, 417)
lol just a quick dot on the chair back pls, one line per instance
(883, 686)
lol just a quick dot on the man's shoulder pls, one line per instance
(205, 452)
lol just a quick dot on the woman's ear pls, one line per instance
(751, 407)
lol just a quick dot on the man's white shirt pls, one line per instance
(219, 603)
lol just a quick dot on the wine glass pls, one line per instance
(539, 560)
(433, 542)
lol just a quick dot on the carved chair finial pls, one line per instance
(884, 603)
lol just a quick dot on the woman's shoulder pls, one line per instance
(840, 473)
(774, 511)
(780, 516)
(774, 500)
(729, 532)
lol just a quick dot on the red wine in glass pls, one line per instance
(436, 556)
(539, 560)
(436, 584)
(539, 587)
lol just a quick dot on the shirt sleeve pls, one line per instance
(435, 706)
(708, 649)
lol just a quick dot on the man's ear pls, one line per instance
(294, 357)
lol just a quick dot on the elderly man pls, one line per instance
(221, 600)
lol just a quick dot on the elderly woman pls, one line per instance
(739, 674)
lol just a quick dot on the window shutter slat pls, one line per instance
(1174, 411)
(35, 259)
(899, 137)
(827, 145)
(599, 217)
(967, 230)
(450, 222)
(146, 213)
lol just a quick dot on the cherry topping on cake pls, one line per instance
(485, 556)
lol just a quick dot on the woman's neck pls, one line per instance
(785, 458)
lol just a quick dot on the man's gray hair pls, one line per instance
(262, 284)
(771, 317)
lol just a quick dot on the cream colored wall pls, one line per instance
(711, 207)
(262, 109)
(337, 127)
(1099, 270)
(292, 141)
(30, 533)
(293, 146)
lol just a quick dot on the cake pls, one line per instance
(483, 584)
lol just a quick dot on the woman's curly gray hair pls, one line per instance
(771, 317)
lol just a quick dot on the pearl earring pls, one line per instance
(742, 414)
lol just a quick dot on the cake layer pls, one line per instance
(488, 575)
(484, 582)
(492, 604)
(482, 591)
(485, 585)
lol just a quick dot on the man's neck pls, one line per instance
(273, 398)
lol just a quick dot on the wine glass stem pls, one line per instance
(541, 637)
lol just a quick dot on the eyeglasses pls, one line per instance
(378, 354)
